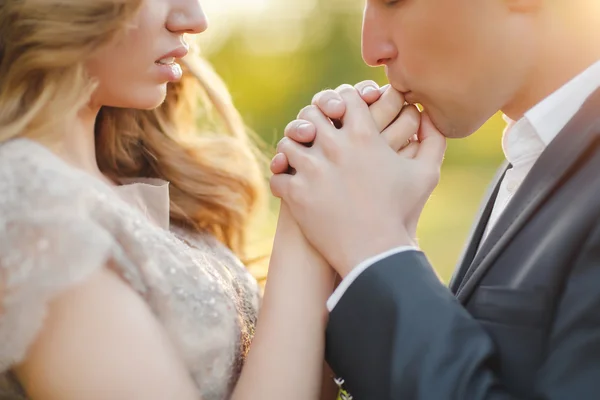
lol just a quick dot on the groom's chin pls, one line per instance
(454, 127)
(454, 132)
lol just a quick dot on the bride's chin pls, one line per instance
(147, 99)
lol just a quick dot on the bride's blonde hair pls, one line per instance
(196, 140)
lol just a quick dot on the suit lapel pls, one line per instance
(553, 167)
(476, 234)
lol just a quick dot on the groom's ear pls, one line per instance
(524, 5)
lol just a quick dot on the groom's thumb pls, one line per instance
(432, 143)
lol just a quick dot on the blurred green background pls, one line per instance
(275, 55)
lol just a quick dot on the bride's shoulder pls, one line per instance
(53, 234)
(22, 152)
(32, 178)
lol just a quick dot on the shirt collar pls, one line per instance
(529, 136)
(551, 115)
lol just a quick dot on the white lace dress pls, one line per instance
(58, 225)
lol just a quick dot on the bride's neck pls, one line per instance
(77, 144)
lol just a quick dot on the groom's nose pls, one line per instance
(377, 48)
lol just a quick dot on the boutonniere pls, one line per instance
(343, 394)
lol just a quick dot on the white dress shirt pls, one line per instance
(523, 142)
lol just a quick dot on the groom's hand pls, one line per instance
(353, 196)
(385, 104)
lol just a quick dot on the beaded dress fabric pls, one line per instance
(58, 225)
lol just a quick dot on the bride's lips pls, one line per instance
(169, 69)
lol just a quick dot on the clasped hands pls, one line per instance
(364, 164)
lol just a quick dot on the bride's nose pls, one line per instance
(187, 17)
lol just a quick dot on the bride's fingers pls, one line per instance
(403, 129)
(369, 91)
(301, 131)
(387, 108)
(279, 164)
(279, 185)
(295, 155)
(330, 103)
(315, 116)
(333, 106)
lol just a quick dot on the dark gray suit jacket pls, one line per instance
(521, 319)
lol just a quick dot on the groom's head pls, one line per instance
(466, 59)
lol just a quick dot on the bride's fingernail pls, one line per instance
(384, 88)
(276, 158)
(304, 129)
(368, 89)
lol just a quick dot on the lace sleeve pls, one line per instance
(41, 253)
(56, 229)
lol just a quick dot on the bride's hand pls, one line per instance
(397, 122)
(352, 196)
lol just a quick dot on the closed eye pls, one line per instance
(390, 3)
